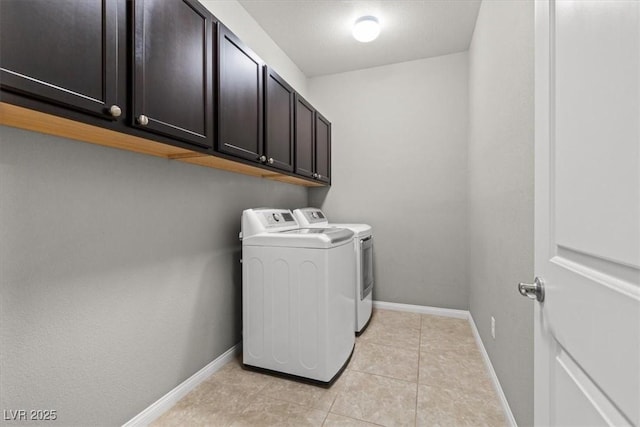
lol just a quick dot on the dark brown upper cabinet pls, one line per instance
(312, 143)
(63, 52)
(162, 71)
(240, 98)
(279, 115)
(305, 137)
(173, 70)
(323, 149)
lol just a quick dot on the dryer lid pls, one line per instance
(314, 217)
(360, 230)
(335, 235)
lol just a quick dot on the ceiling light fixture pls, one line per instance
(366, 29)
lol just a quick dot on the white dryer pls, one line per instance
(298, 306)
(363, 262)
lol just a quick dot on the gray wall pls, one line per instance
(501, 192)
(400, 149)
(119, 273)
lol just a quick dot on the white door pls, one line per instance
(587, 219)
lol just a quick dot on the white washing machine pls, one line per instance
(298, 306)
(363, 263)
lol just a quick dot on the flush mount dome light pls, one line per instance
(366, 29)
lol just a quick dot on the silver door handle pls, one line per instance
(533, 290)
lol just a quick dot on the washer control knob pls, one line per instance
(276, 217)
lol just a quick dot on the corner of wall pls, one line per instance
(238, 20)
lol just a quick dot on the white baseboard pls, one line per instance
(163, 404)
(492, 373)
(422, 309)
(460, 314)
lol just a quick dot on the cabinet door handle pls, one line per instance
(270, 160)
(115, 111)
(143, 120)
(262, 158)
(315, 175)
(319, 176)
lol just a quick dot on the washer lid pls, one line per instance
(302, 238)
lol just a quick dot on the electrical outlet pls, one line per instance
(493, 327)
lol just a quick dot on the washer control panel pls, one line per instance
(262, 220)
(278, 218)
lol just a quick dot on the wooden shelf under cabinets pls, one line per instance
(24, 118)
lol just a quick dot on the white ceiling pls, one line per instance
(316, 34)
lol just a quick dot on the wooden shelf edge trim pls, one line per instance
(36, 121)
(24, 118)
(179, 156)
(294, 180)
(231, 166)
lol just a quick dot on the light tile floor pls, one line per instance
(407, 369)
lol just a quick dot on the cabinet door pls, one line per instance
(279, 114)
(62, 51)
(173, 69)
(305, 136)
(323, 149)
(240, 130)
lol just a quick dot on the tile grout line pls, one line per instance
(332, 403)
(389, 345)
(249, 401)
(383, 376)
(387, 376)
(358, 419)
(325, 418)
(279, 399)
(305, 407)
